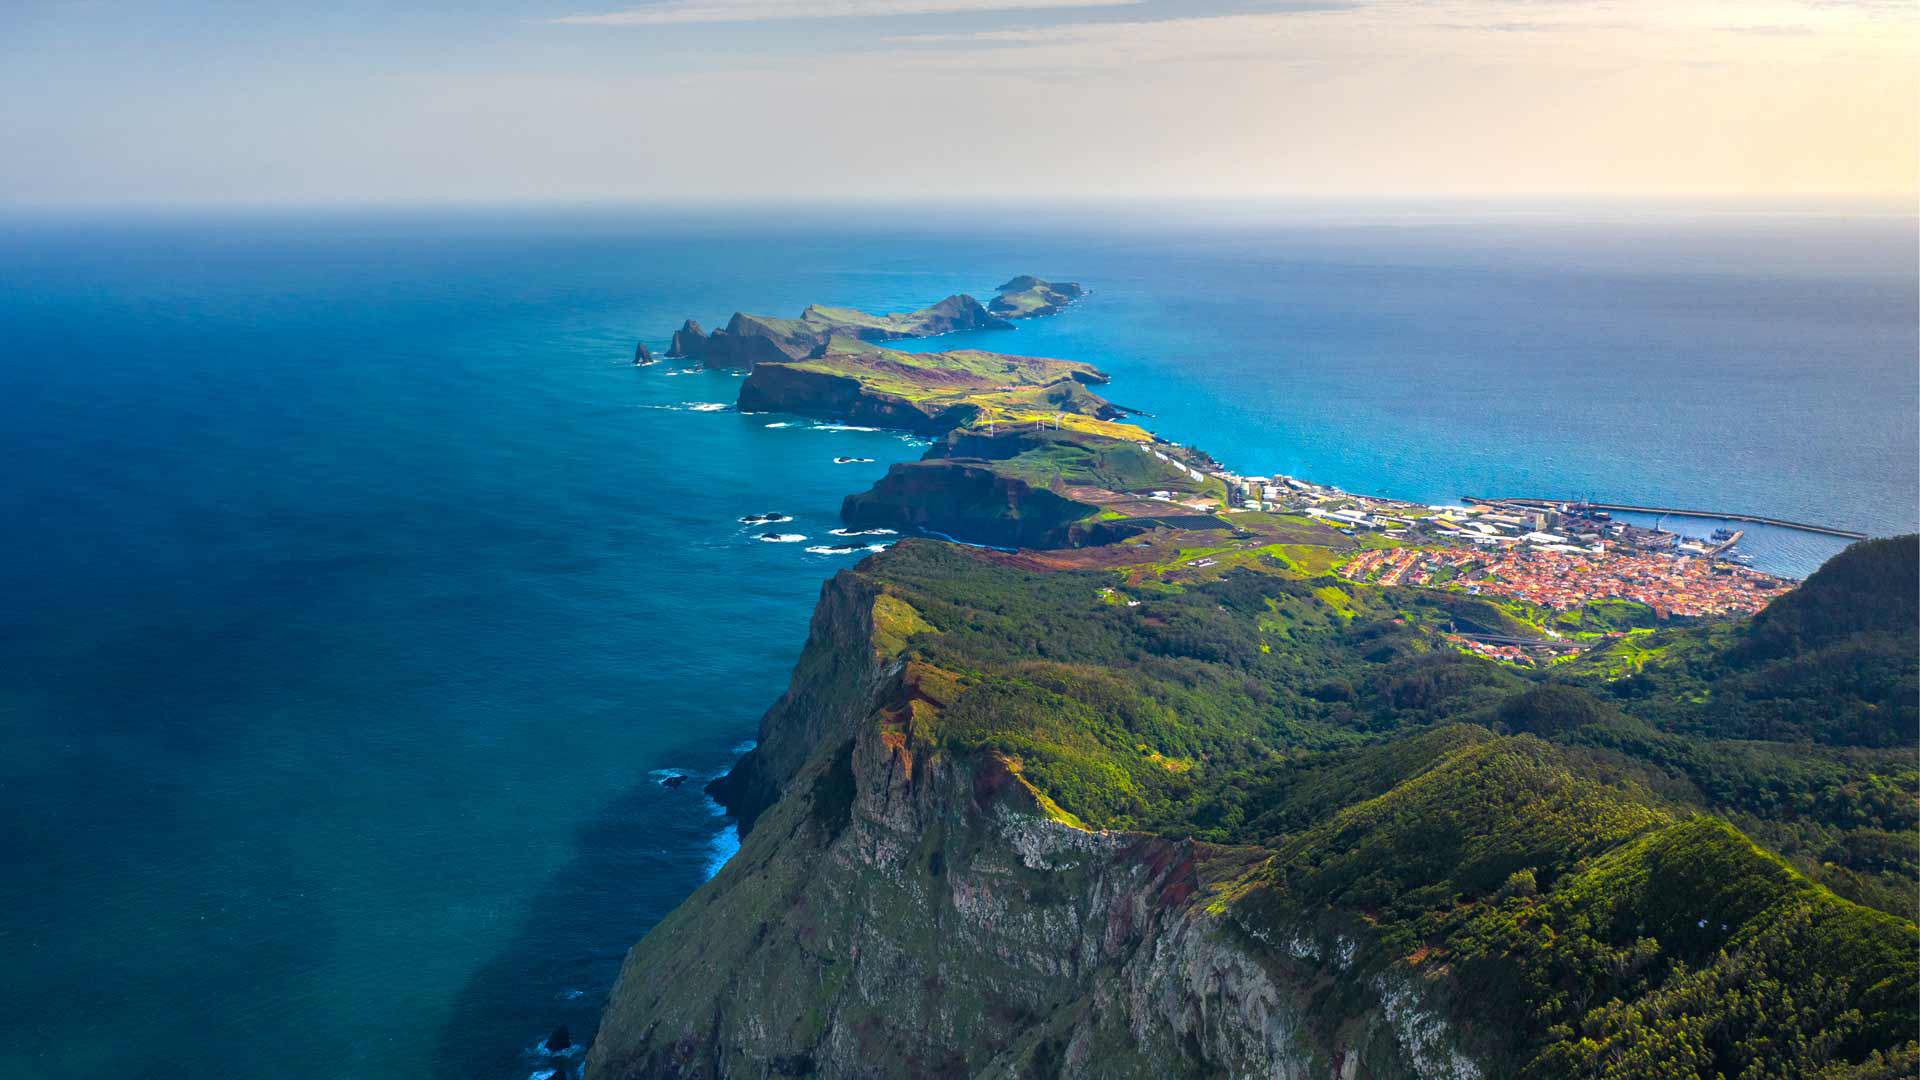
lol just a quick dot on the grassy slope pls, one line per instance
(959, 375)
(1080, 459)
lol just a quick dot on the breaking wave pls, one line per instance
(846, 549)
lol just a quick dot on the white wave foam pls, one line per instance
(842, 427)
(781, 424)
(782, 538)
(864, 532)
(706, 406)
(724, 843)
(539, 1051)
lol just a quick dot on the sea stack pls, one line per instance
(642, 356)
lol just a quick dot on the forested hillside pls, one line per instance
(1704, 866)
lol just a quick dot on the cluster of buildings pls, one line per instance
(1407, 565)
(1670, 585)
(1556, 556)
(1505, 528)
(1511, 654)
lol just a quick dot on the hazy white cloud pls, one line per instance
(1474, 34)
(732, 11)
(1317, 97)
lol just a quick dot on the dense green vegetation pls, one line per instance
(1831, 662)
(1240, 672)
(1574, 853)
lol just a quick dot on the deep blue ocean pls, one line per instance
(355, 591)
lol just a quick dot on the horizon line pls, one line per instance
(1897, 204)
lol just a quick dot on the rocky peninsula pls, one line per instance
(1161, 793)
(748, 340)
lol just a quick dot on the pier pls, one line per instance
(1548, 504)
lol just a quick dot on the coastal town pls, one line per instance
(1563, 580)
(1560, 557)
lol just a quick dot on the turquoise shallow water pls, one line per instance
(358, 592)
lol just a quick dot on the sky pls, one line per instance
(143, 102)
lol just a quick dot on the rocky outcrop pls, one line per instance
(642, 356)
(1027, 297)
(901, 910)
(955, 313)
(689, 342)
(968, 500)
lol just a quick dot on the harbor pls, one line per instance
(1577, 506)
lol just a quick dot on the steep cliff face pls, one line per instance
(968, 500)
(834, 684)
(899, 910)
(748, 340)
(785, 388)
(688, 342)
